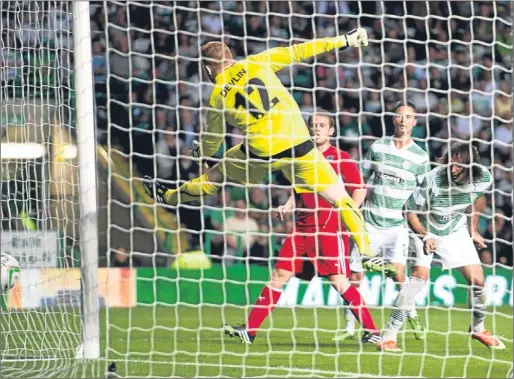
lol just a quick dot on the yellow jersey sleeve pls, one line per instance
(280, 57)
(214, 133)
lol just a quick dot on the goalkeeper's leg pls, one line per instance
(351, 216)
(234, 168)
(313, 173)
(207, 184)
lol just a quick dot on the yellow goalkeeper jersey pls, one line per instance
(250, 96)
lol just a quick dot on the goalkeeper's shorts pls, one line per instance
(303, 165)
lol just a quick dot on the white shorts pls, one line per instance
(454, 250)
(391, 244)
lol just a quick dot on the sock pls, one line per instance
(477, 305)
(359, 308)
(350, 320)
(394, 324)
(352, 218)
(191, 190)
(262, 308)
(405, 302)
(411, 313)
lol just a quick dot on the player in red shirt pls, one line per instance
(316, 240)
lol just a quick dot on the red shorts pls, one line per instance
(328, 253)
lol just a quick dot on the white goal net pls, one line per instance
(41, 320)
(169, 277)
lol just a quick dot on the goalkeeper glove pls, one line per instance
(195, 151)
(160, 190)
(357, 38)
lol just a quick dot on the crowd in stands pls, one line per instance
(451, 59)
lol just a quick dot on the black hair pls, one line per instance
(402, 103)
(467, 154)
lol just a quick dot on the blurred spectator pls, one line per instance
(166, 151)
(119, 58)
(500, 233)
(503, 101)
(261, 249)
(259, 205)
(99, 66)
(239, 229)
(121, 257)
(187, 168)
(217, 217)
(467, 123)
(486, 257)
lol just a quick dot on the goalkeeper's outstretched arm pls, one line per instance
(280, 57)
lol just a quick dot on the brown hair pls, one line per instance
(213, 53)
(467, 154)
(322, 112)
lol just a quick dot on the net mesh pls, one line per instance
(451, 59)
(40, 321)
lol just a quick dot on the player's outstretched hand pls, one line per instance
(160, 189)
(357, 38)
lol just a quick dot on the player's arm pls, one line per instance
(367, 165)
(213, 135)
(287, 207)
(417, 201)
(359, 195)
(476, 210)
(280, 57)
(353, 180)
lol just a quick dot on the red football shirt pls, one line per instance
(314, 212)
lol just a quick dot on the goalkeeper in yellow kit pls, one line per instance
(248, 95)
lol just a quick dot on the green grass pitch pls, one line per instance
(186, 341)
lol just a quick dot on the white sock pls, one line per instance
(477, 305)
(350, 321)
(394, 324)
(412, 313)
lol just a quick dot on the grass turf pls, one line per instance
(183, 341)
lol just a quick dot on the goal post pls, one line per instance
(86, 142)
(49, 189)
